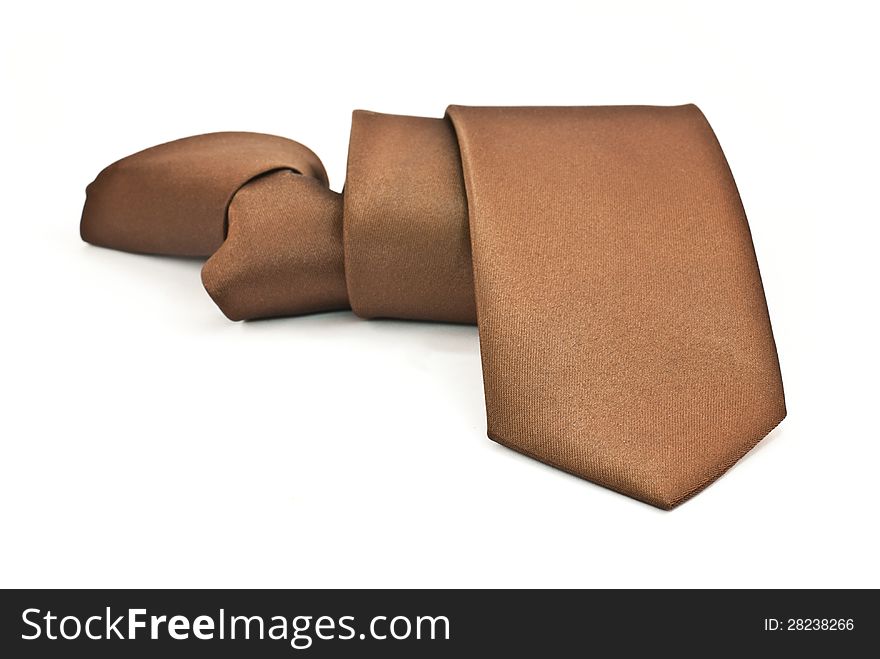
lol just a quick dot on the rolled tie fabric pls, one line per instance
(602, 251)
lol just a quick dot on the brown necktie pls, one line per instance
(603, 252)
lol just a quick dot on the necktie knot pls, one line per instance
(257, 205)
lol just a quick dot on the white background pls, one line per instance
(147, 441)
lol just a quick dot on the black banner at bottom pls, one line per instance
(428, 623)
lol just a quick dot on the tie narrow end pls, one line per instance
(172, 198)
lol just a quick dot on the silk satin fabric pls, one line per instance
(603, 252)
